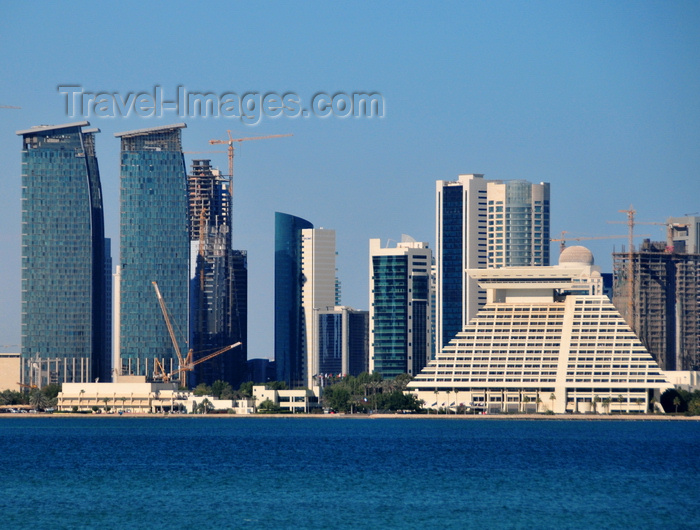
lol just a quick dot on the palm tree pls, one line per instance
(606, 405)
(539, 402)
(676, 402)
(552, 397)
(205, 406)
(436, 400)
(106, 400)
(38, 400)
(620, 399)
(448, 401)
(652, 403)
(596, 400)
(80, 398)
(526, 401)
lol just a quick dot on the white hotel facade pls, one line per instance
(547, 339)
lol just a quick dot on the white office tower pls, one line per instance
(318, 287)
(547, 339)
(479, 224)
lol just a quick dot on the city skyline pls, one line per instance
(600, 100)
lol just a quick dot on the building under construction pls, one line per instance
(218, 279)
(657, 290)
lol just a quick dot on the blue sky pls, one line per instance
(600, 99)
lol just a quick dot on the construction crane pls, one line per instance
(231, 140)
(9, 107)
(189, 366)
(158, 369)
(563, 239)
(32, 387)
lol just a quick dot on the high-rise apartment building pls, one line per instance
(155, 247)
(479, 224)
(400, 316)
(289, 315)
(218, 279)
(63, 257)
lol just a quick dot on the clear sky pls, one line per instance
(600, 99)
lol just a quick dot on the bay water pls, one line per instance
(196, 472)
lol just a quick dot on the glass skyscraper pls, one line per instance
(400, 321)
(289, 313)
(155, 246)
(63, 257)
(483, 223)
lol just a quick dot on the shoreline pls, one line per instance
(450, 417)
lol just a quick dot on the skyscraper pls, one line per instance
(154, 247)
(318, 290)
(400, 318)
(479, 224)
(218, 279)
(63, 257)
(289, 345)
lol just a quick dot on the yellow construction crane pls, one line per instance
(189, 366)
(158, 369)
(231, 140)
(563, 239)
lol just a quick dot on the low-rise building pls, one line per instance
(302, 400)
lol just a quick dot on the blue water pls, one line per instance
(205, 473)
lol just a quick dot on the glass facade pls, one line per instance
(63, 258)
(289, 333)
(452, 261)
(154, 247)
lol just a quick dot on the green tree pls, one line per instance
(38, 400)
(269, 407)
(202, 389)
(552, 397)
(222, 390)
(676, 403)
(204, 407)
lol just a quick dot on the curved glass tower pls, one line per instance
(289, 347)
(154, 247)
(63, 257)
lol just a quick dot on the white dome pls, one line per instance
(576, 256)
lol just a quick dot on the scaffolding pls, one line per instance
(665, 302)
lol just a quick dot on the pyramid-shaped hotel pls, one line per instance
(547, 339)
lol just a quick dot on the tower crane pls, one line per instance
(231, 140)
(563, 239)
(189, 366)
(158, 369)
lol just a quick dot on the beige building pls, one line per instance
(291, 400)
(130, 393)
(9, 371)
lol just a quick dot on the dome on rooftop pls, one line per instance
(576, 256)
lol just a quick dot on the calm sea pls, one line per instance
(202, 473)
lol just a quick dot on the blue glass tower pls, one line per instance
(63, 257)
(154, 247)
(289, 348)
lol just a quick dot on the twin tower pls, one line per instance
(175, 230)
